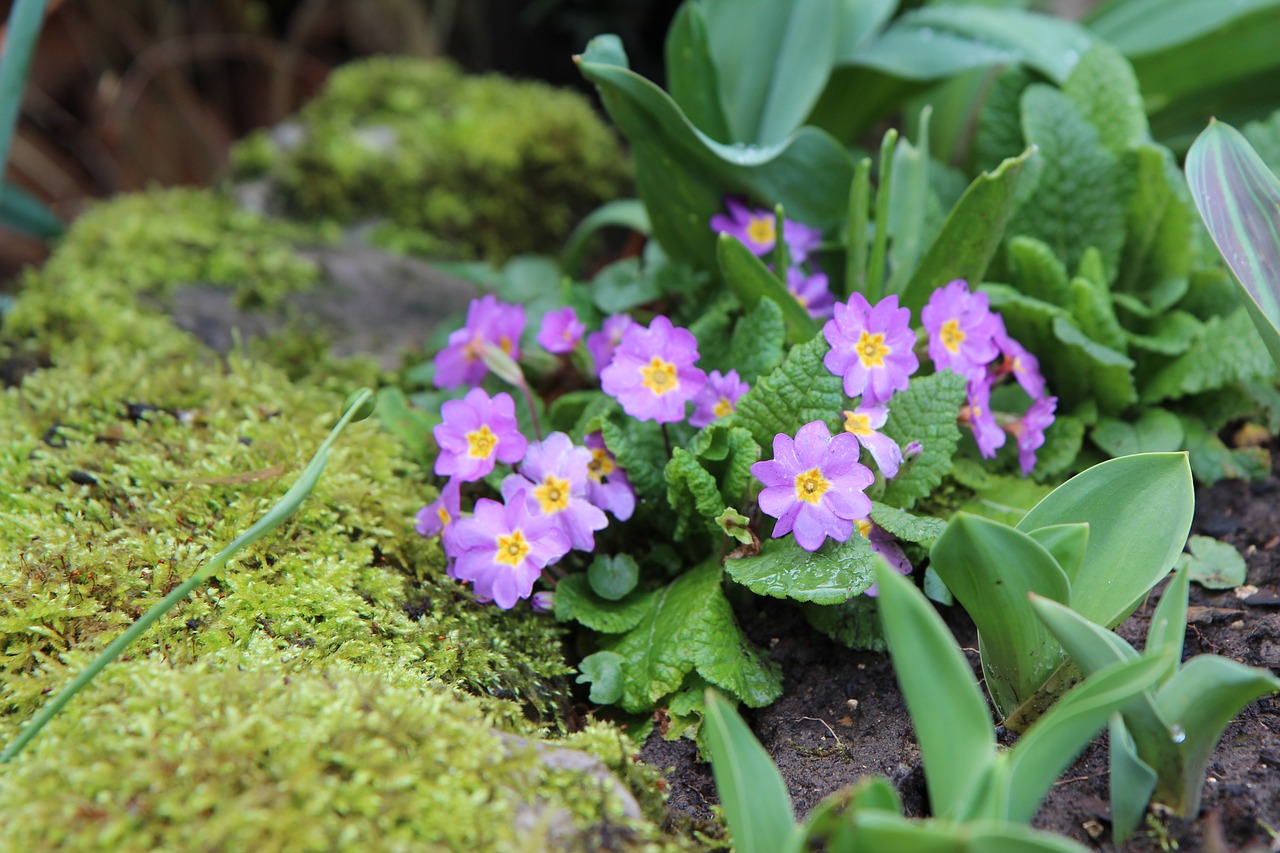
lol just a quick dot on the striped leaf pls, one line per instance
(1239, 200)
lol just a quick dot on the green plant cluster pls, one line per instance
(448, 164)
(130, 455)
(208, 757)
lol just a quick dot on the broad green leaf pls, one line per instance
(876, 830)
(1038, 272)
(1228, 350)
(1077, 202)
(572, 412)
(1090, 304)
(691, 73)
(757, 807)
(1237, 196)
(1063, 442)
(948, 713)
(1171, 333)
(920, 529)
(613, 577)
(687, 626)
(1159, 230)
(854, 624)
(619, 213)
(1212, 460)
(623, 285)
(1138, 509)
(575, 599)
(1264, 137)
(682, 175)
(999, 132)
(1199, 701)
(752, 281)
(1213, 564)
(758, 343)
(833, 574)
(1049, 746)
(999, 497)
(1067, 543)
(990, 568)
(603, 671)
(1132, 782)
(800, 390)
(925, 412)
(971, 234)
(1156, 431)
(1091, 370)
(692, 493)
(1105, 89)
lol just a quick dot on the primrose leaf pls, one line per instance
(692, 493)
(998, 497)
(1171, 333)
(407, 423)
(1039, 273)
(1077, 202)
(1156, 431)
(925, 412)
(613, 577)
(753, 794)
(1090, 369)
(1104, 88)
(800, 390)
(999, 132)
(686, 625)
(728, 452)
(1160, 229)
(855, 623)
(920, 529)
(758, 341)
(1214, 564)
(1092, 308)
(1212, 460)
(640, 450)
(1228, 350)
(603, 671)
(834, 573)
(574, 599)
(1062, 443)
(572, 412)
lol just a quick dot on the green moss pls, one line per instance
(457, 165)
(159, 758)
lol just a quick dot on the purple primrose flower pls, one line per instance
(813, 485)
(1029, 430)
(864, 423)
(977, 413)
(502, 549)
(883, 543)
(871, 347)
(1023, 365)
(561, 330)
(601, 344)
(652, 373)
(758, 231)
(811, 291)
(489, 322)
(435, 517)
(961, 330)
(553, 478)
(717, 398)
(476, 433)
(607, 484)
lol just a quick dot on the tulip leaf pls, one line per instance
(752, 282)
(1237, 196)
(1132, 782)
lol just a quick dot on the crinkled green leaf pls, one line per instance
(925, 412)
(920, 529)
(1104, 88)
(1214, 564)
(713, 328)
(1091, 306)
(1229, 350)
(603, 671)
(834, 573)
(1091, 370)
(692, 493)
(1170, 333)
(1212, 460)
(854, 623)
(757, 345)
(1038, 272)
(1062, 443)
(1157, 430)
(1077, 202)
(1264, 136)
(686, 625)
(575, 600)
(640, 451)
(800, 390)
(999, 497)
(1159, 229)
(999, 132)
(572, 412)
(971, 234)
(728, 452)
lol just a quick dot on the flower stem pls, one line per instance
(666, 440)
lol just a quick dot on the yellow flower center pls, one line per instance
(761, 229)
(952, 336)
(601, 465)
(553, 494)
(722, 408)
(864, 527)
(871, 349)
(481, 442)
(505, 344)
(857, 424)
(444, 515)
(512, 548)
(659, 376)
(811, 486)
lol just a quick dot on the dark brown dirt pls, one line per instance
(841, 716)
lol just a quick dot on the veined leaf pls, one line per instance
(1238, 196)
(758, 342)
(799, 391)
(1105, 89)
(831, 575)
(1228, 350)
(925, 412)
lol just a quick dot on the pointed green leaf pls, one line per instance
(957, 741)
(1138, 509)
(1168, 629)
(833, 574)
(752, 281)
(22, 212)
(1067, 543)
(971, 234)
(1132, 782)
(757, 807)
(1238, 196)
(691, 73)
(990, 567)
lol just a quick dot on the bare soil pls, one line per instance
(842, 717)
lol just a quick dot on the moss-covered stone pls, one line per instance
(449, 164)
(198, 758)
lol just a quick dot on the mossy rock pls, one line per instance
(197, 758)
(447, 164)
